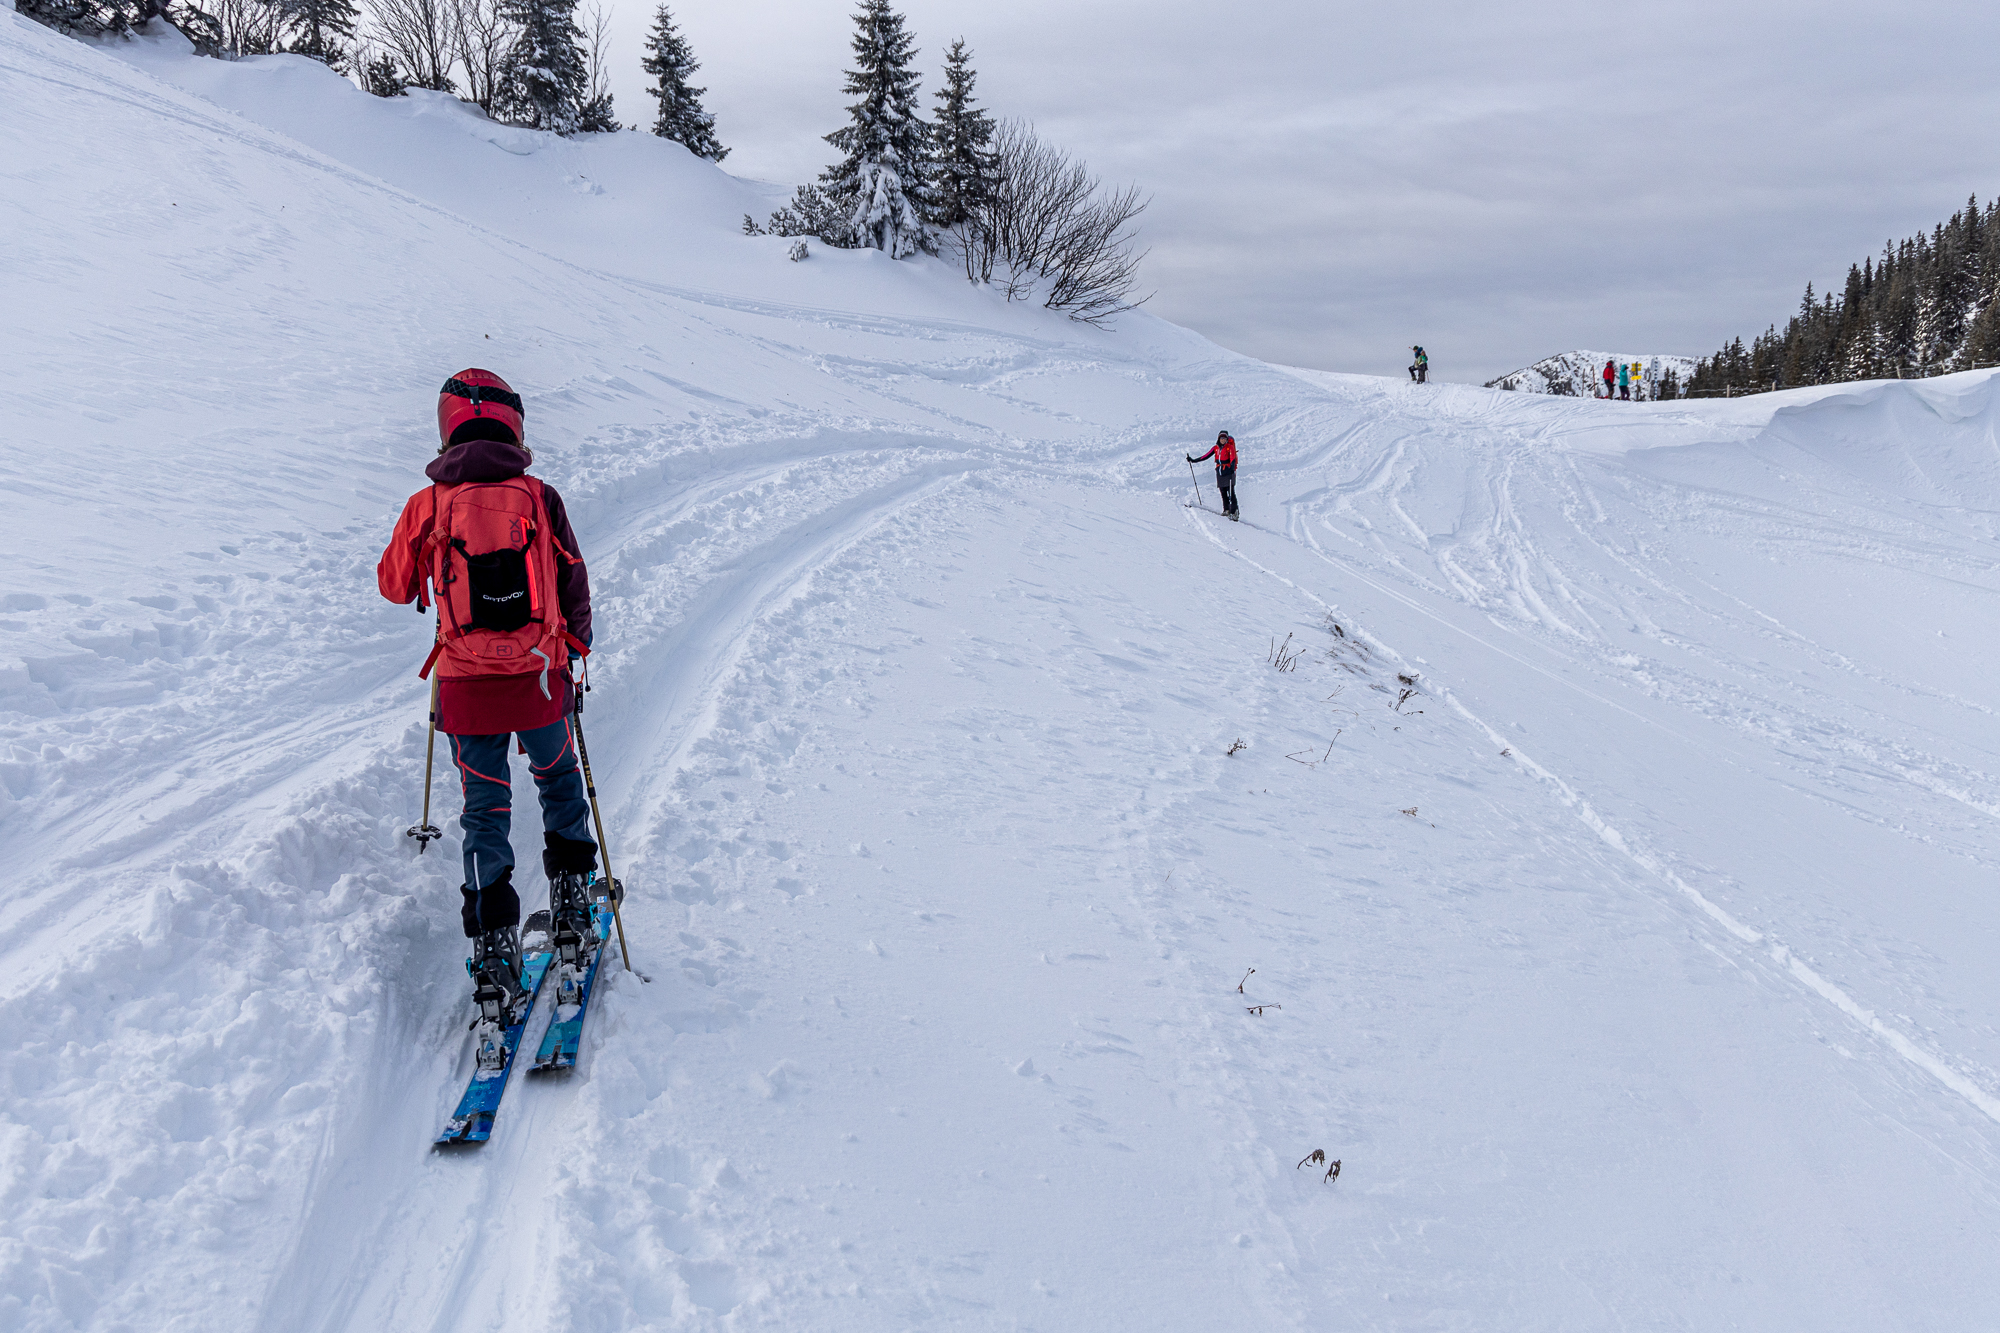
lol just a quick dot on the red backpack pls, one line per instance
(493, 573)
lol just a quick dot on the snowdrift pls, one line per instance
(1613, 849)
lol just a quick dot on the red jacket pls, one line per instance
(487, 705)
(1224, 454)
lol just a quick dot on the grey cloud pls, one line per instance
(1334, 182)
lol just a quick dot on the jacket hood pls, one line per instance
(478, 460)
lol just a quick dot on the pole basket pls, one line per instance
(423, 833)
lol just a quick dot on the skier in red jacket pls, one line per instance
(1610, 376)
(502, 651)
(1224, 454)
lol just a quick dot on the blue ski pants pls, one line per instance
(489, 807)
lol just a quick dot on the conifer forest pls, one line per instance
(1925, 306)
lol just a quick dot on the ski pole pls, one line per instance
(426, 831)
(603, 847)
(1197, 483)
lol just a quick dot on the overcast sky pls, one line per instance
(1332, 182)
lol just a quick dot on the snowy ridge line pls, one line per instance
(1779, 953)
(171, 101)
(222, 120)
(832, 316)
(1728, 502)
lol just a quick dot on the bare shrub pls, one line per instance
(596, 27)
(249, 27)
(422, 36)
(1050, 229)
(481, 37)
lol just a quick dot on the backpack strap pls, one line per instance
(422, 551)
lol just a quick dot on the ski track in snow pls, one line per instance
(1779, 953)
(913, 714)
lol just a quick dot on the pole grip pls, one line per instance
(423, 832)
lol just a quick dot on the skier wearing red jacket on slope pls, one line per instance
(1610, 376)
(1224, 454)
(492, 544)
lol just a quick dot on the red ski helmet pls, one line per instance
(478, 395)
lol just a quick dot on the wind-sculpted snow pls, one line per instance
(1613, 853)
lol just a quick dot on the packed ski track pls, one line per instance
(1577, 818)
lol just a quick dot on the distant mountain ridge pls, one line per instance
(1580, 374)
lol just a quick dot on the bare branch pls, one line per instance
(1049, 230)
(250, 27)
(420, 34)
(596, 27)
(481, 36)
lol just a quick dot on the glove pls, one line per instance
(1190, 458)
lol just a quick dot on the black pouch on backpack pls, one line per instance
(499, 588)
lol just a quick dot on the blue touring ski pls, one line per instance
(578, 953)
(495, 1045)
(565, 1035)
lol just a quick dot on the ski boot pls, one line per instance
(574, 930)
(580, 922)
(570, 933)
(495, 968)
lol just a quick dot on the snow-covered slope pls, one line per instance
(1581, 374)
(1635, 954)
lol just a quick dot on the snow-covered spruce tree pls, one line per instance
(881, 184)
(321, 29)
(544, 83)
(1982, 340)
(682, 118)
(199, 26)
(62, 15)
(381, 78)
(965, 165)
(87, 18)
(812, 212)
